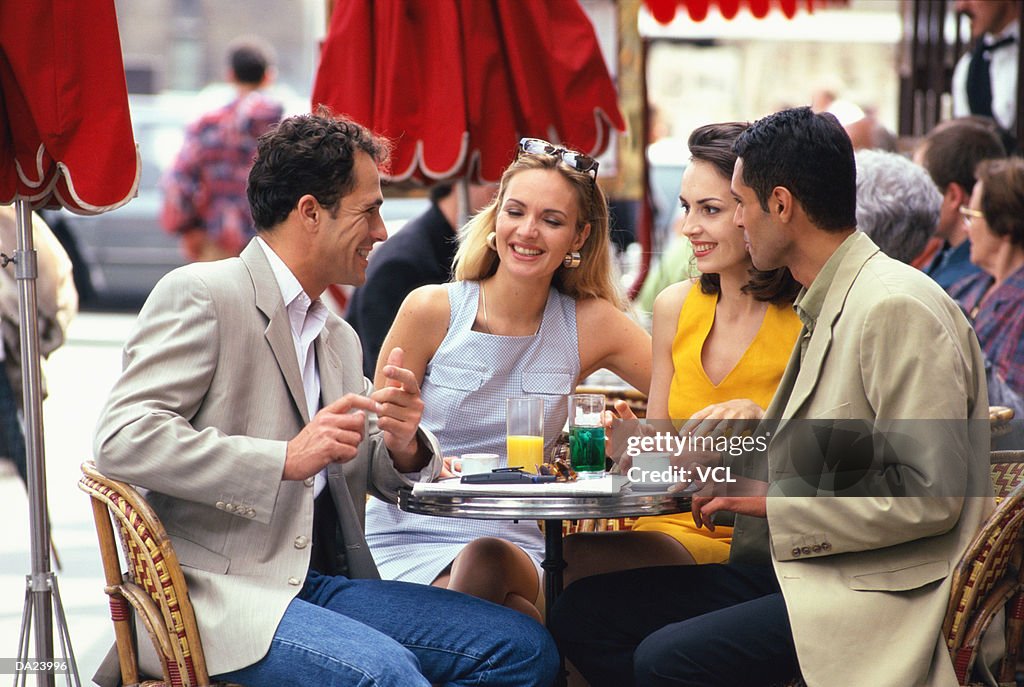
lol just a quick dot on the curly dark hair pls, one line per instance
(810, 155)
(307, 154)
(712, 143)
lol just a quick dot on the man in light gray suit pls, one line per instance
(875, 478)
(243, 410)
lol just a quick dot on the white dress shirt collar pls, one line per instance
(306, 319)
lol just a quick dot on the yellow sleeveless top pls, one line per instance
(755, 376)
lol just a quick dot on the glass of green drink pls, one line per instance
(586, 434)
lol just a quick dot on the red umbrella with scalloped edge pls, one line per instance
(65, 133)
(456, 83)
(664, 11)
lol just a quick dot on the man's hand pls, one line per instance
(333, 435)
(752, 500)
(400, 411)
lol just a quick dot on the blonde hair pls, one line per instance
(475, 260)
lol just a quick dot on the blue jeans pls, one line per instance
(353, 633)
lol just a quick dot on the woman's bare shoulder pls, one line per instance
(429, 300)
(670, 301)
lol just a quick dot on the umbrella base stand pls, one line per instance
(40, 590)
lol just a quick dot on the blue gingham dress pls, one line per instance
(464, 391)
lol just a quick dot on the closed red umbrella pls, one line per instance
(65, 133)
(65, 139)
(456, 83)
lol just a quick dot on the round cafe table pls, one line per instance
(553, 510)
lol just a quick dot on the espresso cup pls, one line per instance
(475, 463)
(651, 470)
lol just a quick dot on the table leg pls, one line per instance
(553, 565)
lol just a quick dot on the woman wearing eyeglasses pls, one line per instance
(721, 344)
(532, 311)
(994, 298)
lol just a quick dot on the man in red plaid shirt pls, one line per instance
(205, 202)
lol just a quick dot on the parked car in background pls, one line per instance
(120, 255)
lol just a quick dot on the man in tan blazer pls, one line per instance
(243, 410)
(875, 477)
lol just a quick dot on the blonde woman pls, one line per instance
(532, 311)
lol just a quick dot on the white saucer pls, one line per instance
(650, 486)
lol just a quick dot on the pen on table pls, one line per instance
(506, 477)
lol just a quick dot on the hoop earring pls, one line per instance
(491, 238)
(572, 260)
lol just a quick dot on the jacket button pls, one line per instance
(219, 505)
(796, 553)
(229, 507)
(816, 548)
(308, 481)
(806, 550)
(251, 513)
(825, 546)
(294, 581)
(301, 541)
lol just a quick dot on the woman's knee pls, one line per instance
(491, 551)
(498, 565)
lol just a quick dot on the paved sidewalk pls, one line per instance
(79, 376)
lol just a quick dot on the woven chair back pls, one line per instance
(988, 575)
(153, 585)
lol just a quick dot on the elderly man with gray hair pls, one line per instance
(897, 203)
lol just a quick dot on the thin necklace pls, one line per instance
(483, 302)
(486, 323)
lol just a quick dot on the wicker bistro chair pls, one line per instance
(153, 586)
(990, 576)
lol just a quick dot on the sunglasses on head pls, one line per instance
(578, 161)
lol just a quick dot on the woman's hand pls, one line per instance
(611, 419)
(448, 468)
(723, 419)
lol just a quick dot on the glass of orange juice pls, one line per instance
(524, 417)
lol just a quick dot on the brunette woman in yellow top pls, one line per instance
(723, 338)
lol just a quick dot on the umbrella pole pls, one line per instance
(462, 207)
(41, 585)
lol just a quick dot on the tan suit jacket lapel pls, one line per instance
(808, 370)
(278, 331)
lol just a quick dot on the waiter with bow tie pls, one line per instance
(985, 78)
